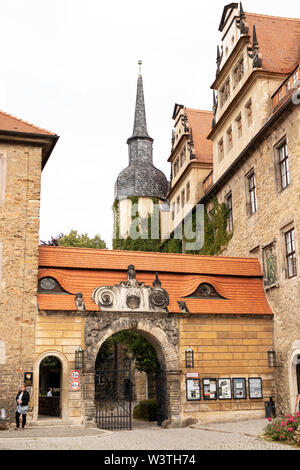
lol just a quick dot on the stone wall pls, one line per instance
(227, 346)
(19, 237)
(278, 210)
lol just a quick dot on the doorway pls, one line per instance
(130, 383)
(50, 387)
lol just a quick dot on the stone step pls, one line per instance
(48, 422)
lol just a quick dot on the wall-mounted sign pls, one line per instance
(239, 389)
(224, 389)
(255, 387)
(75, 374)
(28, 379)
(193, 390)
(192, 375)
(209, 389)
(75, 385)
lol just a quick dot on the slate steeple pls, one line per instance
(141, 177)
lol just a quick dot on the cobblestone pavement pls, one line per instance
(226, 436)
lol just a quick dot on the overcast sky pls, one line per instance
(71, 67)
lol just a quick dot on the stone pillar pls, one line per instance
(173, 396)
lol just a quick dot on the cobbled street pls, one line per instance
(227, 436)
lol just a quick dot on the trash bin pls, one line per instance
(270, 408)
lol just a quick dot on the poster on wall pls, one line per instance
(224, 389)
(255, 387)
(239, 389)
(209, 389)
(193, 390)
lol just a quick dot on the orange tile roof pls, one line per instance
(200, 122)
(13, 124)
(82, 270)
(278, 40)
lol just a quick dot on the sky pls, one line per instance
(71, 67)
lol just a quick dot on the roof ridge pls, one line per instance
(199, 110)
(272, 16)
(26, 122)
(140, 253)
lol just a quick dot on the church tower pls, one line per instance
(141, 187)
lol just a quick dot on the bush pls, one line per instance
(146, 410)
(284, 429)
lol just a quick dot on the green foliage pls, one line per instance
(143, 353)
(284, 429)
(82, 240)
(172, 246)
(141, 229)
(50, 361)
(146, 410)
(77, 240)
(216, 237)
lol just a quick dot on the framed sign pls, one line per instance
(239, 389)
(255, 388)
(193, 390)
(28, 379)
(209, 389)
(224, 389)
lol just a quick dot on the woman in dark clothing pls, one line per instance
(22, 400)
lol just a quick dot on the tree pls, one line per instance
(77, 240)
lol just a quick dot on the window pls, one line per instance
(229, 138)
(225, 92)
(176, 167)
(284, 168)
(249, 113)
(290, 248)
(221, 150)
(178, 203)
(173, 211)
(238, 72)
(230, 212)
(239, 126)
(295, 78)
(182, 198)
(188, 191)
(252, 194)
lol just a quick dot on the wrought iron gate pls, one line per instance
(113, 394)
(161, 396)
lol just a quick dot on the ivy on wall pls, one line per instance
(216, 236)
(140, 231)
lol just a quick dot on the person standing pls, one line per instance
(22, 400)
(49, 394)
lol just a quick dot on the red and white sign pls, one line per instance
(75, 385)
(75, 374)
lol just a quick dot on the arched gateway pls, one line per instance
(151, 321)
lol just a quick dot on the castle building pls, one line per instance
(24, 152)
(256, 170)
(191, 162)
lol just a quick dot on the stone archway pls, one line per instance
(63, 383)
(162, 334)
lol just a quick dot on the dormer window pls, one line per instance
(49, 285)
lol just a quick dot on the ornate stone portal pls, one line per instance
(131, 296)
(132, 305)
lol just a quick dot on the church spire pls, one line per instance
(140, 124)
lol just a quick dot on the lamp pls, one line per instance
(79, 358)
(272, 358)
(189, 358)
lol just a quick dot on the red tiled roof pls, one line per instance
(278, 40)
(13, 124)
(200, 123)
(82, 270)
